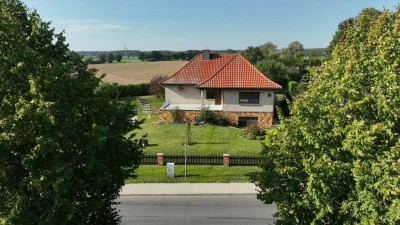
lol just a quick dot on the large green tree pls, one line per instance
(63, 151)
(337, 159)
(340, 33)
(280, 66)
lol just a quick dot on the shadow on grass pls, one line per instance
(149, 145)
(188, 176)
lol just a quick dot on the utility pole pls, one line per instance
(125, 50)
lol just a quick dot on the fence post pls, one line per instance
(160, 159)
(226, 159)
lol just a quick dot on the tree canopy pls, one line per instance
(280, 66)
(64, 154)
(337, 159)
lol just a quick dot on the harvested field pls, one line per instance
(136, 73)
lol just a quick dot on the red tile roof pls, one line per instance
(221, 71)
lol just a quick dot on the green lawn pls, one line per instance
(196, 174)
(208, 140)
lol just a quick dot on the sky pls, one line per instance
(99, 25)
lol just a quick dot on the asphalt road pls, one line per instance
(186, 210)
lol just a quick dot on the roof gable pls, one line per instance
(221, 71)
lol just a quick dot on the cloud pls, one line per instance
(91, 26)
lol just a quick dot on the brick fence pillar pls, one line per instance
(226, 159)
(160, 159)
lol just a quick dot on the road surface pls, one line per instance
(186, 210)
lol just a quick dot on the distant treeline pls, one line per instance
(162, 55)
(165, 55)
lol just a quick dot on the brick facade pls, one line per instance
(265, 119)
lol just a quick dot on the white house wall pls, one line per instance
(231, 101)
(187, 95)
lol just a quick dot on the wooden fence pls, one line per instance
(149, 160)
(202, 160)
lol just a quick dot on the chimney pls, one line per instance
(206, 54)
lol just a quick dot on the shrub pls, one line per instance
(155, 88)
(252, 132)
(206, 116)
(209, 117)
(220, 120)
(176, 115)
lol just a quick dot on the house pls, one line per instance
(226, 84)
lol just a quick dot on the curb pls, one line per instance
(194, 189)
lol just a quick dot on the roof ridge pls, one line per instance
(265, 77)
(209, 78)
(198, 54)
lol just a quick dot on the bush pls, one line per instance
(127, 90)
(220, 120)
(207, 116)
(176, 115)
(252, 132)
(155, 88)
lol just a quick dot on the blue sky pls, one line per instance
(198, 24)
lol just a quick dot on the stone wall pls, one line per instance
(265, 119)
(165, 116)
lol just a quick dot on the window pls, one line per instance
(246, 121)
(210, 94)
(249, 97)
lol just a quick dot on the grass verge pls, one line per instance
(196, 174)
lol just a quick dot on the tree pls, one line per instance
(74, 55)
(189, 54)
(154, 56)
(141, 56)
(230, 51)
(269, 50)
(336, 160)
(343, 26)
(102, 57)
(253, 54)
(118, 57)
(89, 60)
(294, 48)
(274, 70)
(155, 88)
(110, 57)
(64, 153)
